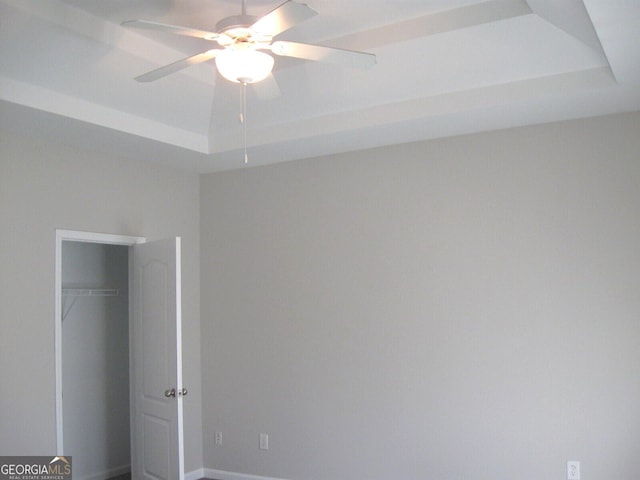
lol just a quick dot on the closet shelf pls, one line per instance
(90, 292)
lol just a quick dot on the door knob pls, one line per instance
(183, 392)
(170, 393)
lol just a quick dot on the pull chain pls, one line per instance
(243, 119)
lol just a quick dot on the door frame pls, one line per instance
(74, 236)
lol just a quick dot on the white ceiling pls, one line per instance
(444, 67)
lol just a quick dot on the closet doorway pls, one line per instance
(95, 359)
(119, 392)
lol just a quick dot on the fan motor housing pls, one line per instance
(235, 22)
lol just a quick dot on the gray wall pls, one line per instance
(44, 186)
(462, 308)
(95, 360)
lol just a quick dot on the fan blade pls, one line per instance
(283, 18)
(324, 54)
(175, 29)
(441, 21)
(175, 66)
(267, 89)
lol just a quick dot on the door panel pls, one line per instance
(155, 327)
(156, 453)
(157, 365)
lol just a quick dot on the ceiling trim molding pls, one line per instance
(58, 103)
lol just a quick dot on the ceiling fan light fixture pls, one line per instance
(244, 65)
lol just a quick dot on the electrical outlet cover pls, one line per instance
(264, 441)
(573, 470)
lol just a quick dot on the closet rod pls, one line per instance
(90, 292)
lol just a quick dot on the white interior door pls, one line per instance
(156, 378)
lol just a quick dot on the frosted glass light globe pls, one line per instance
(244, 65)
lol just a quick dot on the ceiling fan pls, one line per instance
(243, 42)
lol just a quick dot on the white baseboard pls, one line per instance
(106, 474)
(224, 475)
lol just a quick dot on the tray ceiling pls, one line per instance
(444, 67)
